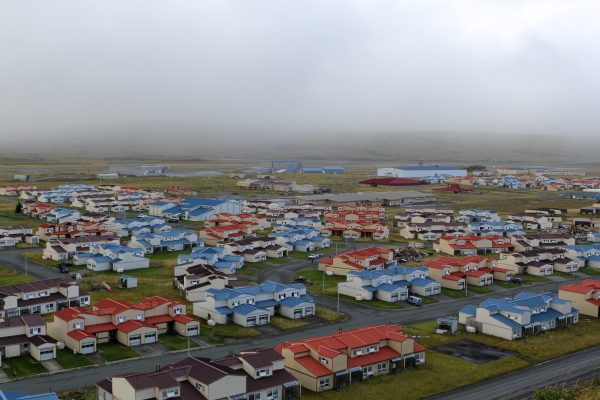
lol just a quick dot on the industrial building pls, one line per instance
(421, 171)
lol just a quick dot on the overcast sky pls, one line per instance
(98, 69)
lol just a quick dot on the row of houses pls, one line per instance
(317, 364)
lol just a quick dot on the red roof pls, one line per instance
(453, 277)
(183, 319)
(79, 335)
(109, 326)
(132, 325)
(384, 353)
(477, 273)
(313, 366)
(576, 288)
(159, 319)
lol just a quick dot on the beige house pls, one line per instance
(369, 258)
(253, 375)
(26, 334)
(346, 358)
(82, 329)
(585, 296)
(41, 297)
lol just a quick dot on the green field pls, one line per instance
(9, 276)
(68, 360)
(115, 351)
(23, 366)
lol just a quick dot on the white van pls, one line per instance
(414, 300)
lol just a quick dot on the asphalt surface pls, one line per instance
(360, 316)
(521, 384)
(13, 258)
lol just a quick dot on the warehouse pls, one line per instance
(421, 171)
(389, 199)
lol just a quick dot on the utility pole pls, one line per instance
(338, 302)
(25, 255)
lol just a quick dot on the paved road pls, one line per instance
(13, 259)
(521, 384)
(361, 316)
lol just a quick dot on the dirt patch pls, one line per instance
(475, 352)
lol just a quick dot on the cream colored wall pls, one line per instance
(226, 386)
(579, 302)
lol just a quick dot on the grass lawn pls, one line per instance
(590, 271)
(174, 342)
(479, 289)
(84, 394)
(440, 373)
(68, 360)
(506, 284)
(532, 278)
(115, 351)
(299, 255)
(216, 334)
(10, 277)
(286, 324)
(551, 344)
(37, 257)
(23, 366)
(589, 390)
(455, 294)
(565, 275)
(328, 314)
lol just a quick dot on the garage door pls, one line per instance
(150, 337)
(46, 354)
(135, 340)
(192, 331)
(88, 347)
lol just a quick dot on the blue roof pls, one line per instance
(296, 301)
(246, 309)
(506, 321)
(471, 310)
(422, 281)
(389, 287)
(545, 316)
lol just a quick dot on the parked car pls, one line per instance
(414, 300)
(315, 256)
(518, 281)
(64, 267)
(300, 279)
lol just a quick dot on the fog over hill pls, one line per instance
(446, 147)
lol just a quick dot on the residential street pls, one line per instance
(360, 316)
(13, 258)
(521, 384)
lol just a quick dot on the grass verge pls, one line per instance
(23, 366)
(173, 342)
(286, 324)
(69, 360)
(115, 351)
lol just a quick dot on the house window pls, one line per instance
(254, 396)
(323, 360)
(323, 383)
(199, 386)
(35, 331)
(273, 394)
(49, 307)
(381, 368)
(367, 371)
(357, 352)
(120, 319)
(372, 349)
(78, 325)
(262, 372)
(170, 393)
